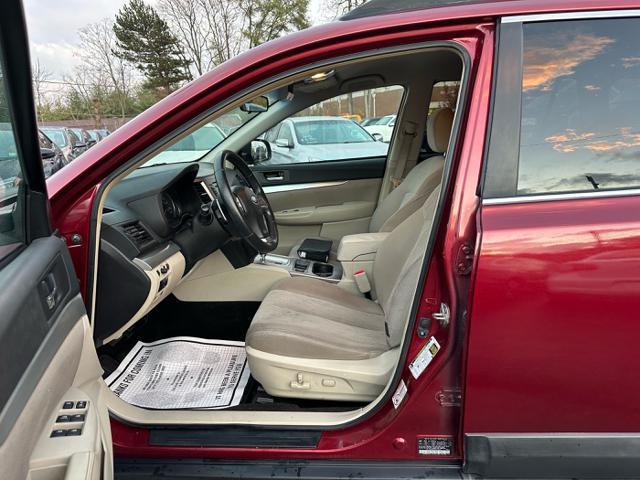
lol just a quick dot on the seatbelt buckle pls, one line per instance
(362, 282)
(395, 182)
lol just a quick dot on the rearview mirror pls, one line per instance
(256, 105)
(47, 153)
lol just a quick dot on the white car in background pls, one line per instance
(321, 139)
(383, 128)
(192, 147)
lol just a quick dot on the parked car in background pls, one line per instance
(369, 121)
(53, 158)
(70, 144)
(95, 134)
(320, 139)
(84, 136)
(383, 128)
(192, 147)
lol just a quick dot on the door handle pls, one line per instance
(49, 291)
(274, 176)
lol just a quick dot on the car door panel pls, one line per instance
(328, 199)
(291, 174)
(42, 332)
(47, 354)
(328, 209)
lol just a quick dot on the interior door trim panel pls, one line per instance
(300, 186)
(337, 170)
(31, 332)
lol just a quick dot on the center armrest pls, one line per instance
(360, 247)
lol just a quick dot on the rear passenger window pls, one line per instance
(580, 128)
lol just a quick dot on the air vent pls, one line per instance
(137, 233)
(203, 191)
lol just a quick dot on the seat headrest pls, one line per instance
(439, 126)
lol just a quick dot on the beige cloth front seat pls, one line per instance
(312, 339)
(417, 185)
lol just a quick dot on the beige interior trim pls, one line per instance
(360, 380)
(360, 247)
(176, 264)
(73, 374)
(315, 215)
(213, 279)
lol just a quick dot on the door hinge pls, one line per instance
(464, 259)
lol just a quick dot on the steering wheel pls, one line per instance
(244, 202)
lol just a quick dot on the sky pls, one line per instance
(53, 28)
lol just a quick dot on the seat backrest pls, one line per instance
(411, 194)
(396, 269)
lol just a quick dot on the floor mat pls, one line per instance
(182, 373)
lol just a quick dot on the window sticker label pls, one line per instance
(424, 357)
(401, 392)
(435, 445)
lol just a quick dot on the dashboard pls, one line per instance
(156, 225)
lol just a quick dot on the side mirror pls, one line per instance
(47, 153)
(284, 143)
(256, 105)
(260, 151)
(79, 146)
(377, 137)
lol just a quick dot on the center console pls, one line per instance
(330, 272)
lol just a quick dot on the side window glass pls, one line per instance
(580, 127)
(11, 185)
(285, 137)
(351, 126)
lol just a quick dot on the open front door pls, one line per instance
(52, 422)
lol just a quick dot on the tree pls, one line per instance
(112, 73)
(144, 39)
(269, 19)
(187, 19)
(40, 76)
(340, 7)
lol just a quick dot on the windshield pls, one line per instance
(197, 144)
(326, 131)
(57, 136)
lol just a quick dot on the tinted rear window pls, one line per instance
(580, 128)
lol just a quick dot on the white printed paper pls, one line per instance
(182, 373)
(399, 395)
(424, 357)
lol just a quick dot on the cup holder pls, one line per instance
(322, 269)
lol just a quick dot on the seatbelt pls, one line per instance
(409, 130)
(362, 282)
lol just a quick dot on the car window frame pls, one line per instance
(500, 173)
(16, 73)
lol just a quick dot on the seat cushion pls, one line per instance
(308, 318)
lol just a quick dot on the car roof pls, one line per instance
(448, 10)
(382, 7)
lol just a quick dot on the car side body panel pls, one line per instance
(556, 296)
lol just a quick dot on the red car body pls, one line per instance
(558, 367)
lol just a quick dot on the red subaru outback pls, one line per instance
(246, 281)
